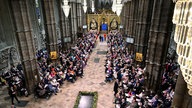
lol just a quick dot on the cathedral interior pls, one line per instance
(95, 53)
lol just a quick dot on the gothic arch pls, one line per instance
(9, 55)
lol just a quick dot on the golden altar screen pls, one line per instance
(106, 20)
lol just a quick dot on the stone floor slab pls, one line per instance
(96, 60)
(85, 102)
(22, 103)
(102, 52)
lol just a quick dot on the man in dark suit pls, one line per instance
(116, 85)
(12, 93)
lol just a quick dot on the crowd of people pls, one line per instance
(14, 79)
(70, 65)
(129, 87)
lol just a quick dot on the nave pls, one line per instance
(112, 71)
(150, 27)
(93, 80)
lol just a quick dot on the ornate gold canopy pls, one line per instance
(106, 16)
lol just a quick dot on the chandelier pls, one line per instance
(174, 1)
(114, 6)
(183, 37)
(93, 6)
(85, 6)
(66, 8)
(118, 5)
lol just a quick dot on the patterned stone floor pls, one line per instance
(93, 80)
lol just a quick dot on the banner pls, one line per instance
(104, 27)
(139, 57)
(53, 55)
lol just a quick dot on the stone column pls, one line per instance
(181, 97)
(180, 92)
(84, 19)
(79, 15)
(123, 15)
(124, 18)
(127, 16)
(159, 35)
(187, 103)
(142, 27)
(68, 30)
(132, 17)
(50, 25)
(73, 19)
(24, 33)
(79, 20)
(62, 24)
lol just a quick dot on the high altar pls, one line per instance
(103, 22)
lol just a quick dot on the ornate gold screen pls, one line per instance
(107, 15)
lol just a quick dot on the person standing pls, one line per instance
(100, 38)
(105, 37)
(13, 94)
(116, 85)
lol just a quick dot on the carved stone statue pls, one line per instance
(93, 24)
(114, 24)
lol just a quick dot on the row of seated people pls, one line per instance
(112, 55)
(129, 90)
(50, 83)
(69, 67)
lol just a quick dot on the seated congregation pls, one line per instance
(129, 86)
(69, 67)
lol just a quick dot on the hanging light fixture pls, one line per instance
(174, 1)
(114, 6)
(93, 6)
(66, 8)
(118, 1)
(119, 7)
(85, 6)
(183, 19)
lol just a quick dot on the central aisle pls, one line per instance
(93, 80)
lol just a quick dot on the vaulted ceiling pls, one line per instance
(103, 4)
